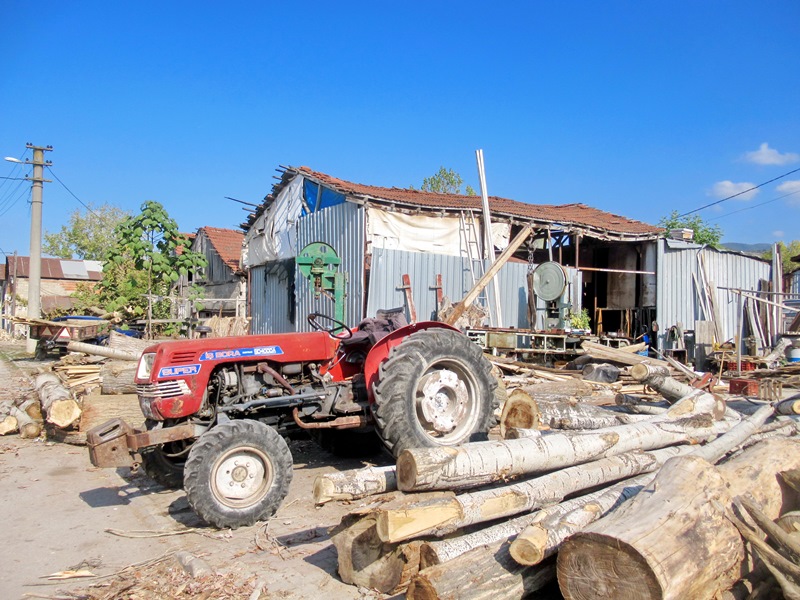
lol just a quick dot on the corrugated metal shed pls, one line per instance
(677, 298)
(342, 227)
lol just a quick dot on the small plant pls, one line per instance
(580, 320)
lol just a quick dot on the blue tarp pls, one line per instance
(329, 197)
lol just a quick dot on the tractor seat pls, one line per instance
(371, 330)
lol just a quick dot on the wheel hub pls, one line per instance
(240, 476)
(444, 400)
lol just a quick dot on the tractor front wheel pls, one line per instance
(434, 389)
(237, 473)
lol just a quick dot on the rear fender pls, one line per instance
(380, 351)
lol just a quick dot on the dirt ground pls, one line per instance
(62, 514)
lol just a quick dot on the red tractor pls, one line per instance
(217, 409)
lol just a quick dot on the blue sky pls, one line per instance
(637, 108)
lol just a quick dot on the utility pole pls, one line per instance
(35, 269)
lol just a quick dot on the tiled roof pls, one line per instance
(227, 243)
(578, 214)
(58, 268)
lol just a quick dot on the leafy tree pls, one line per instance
(445, 181)
(88, 234)
(710, 235)
(147, 257)
(787, 252)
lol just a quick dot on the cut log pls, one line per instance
(126, 343)
(8, 424)
(443, 516)
(658, 377)
(117, 377)
(542, 538)
(519, 411)
(102, 351)
(97, 409)
(434, 552)
(487, 573)
(58, 405)
(354, 484)
(28, 428)
(33, 409)
(788, 407)
(639, 551)
(365, 560)
(580, 416)
(481, 463)
(639, 405)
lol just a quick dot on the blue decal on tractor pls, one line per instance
(179, 370)
(258, 351)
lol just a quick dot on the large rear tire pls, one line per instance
(238, 473)
(434, 389)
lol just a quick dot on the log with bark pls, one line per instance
(481, 463)
(354, 484)
(127, 343)
(96, 409)
(8, 422)
(525, 412)
(58, 405)
(365, 560)
(482, 574)
(102, 351)
(640, 551)
(28, 428)
(445, 515)
(117, 377)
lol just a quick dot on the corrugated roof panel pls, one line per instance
(74, 269)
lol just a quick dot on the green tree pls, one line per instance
(445, 181)
(87, 236)
(147, 257)
(710, 235)
(787, 252)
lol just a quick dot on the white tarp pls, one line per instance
(426, 233)
(273, 235)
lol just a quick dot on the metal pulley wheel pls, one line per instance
(549, 281)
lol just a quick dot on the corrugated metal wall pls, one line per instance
(342, 227)
(388, 267)
(792, 283)
(677, 300)
(272, 305)
(281, 298)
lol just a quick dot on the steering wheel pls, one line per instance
(335, 325)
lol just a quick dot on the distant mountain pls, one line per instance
(748, 248)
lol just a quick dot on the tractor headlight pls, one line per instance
(145, 366)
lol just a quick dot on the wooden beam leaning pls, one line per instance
(489, 275)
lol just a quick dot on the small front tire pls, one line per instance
(237, 473)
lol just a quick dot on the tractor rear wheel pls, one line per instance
(237, 473)
(434, 389)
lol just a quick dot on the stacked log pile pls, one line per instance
(616, 501)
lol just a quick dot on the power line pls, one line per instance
(755, 187)
(86, 206)
(9, 194)
(755, 205)
(14, 178)
(10, 206)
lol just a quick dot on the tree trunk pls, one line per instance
(97, 409)
(446, 515)
(487, 573)
(117, 377)
(788, 407)
(365, 560)
(57, 403)
(102, 351)
(577, 415)
(354, 484)
(543, 538)
(640, 551)
(28, 428)
(519, 412)
(658, 377)
(126, 343)
(481, 463)
(8, 423)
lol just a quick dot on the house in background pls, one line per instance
(60, 278)
(223, 282)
